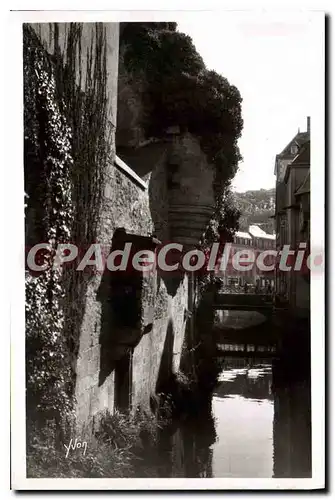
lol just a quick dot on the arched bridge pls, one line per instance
(244, 302)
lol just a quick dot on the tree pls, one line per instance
(224, 223)
(176, 89)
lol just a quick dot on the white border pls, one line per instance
(318, 279)
(14, 159)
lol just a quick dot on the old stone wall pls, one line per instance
(154, 343)
(56, 38)
(158, 352)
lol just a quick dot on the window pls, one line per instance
(294, 149)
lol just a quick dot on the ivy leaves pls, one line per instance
(48, 163)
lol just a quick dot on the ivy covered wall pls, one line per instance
(70, 81)
(77, 335)
(78, 195)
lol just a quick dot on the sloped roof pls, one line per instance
(242, 234)
(303, 157)
(257, 232)
(300, 138)
(305, 186)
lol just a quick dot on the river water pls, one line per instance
(251, 430)
(243, 412)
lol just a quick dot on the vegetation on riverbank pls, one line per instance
(122, 446)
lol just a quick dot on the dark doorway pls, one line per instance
(123, 382)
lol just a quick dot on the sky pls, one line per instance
(272, 61)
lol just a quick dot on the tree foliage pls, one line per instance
(177, 89)
(224, 223)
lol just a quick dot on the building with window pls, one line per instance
(292, 170)
(258, 241)
(264, 242)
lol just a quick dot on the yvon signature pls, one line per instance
(76, 444)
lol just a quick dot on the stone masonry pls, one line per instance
(156, 344)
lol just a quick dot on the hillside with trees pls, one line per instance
(256, 207)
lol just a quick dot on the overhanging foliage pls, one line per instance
(177, 89)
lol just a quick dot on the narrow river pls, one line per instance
(251, 430)
(243, 413)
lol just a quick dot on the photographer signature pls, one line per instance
(74, 445)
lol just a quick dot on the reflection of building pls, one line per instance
(249, 383)
(291, 411)
(186, 452)
(292, 170)
(186, 447)
(292, 431)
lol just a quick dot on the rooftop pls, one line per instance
(303, 157)
(257, 232)
(300, 138)
(243, 234)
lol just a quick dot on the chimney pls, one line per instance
(308, 124)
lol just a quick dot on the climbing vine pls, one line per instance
(87, 111)
(48, 163)
(67, 147)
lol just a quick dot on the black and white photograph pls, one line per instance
(172, 270)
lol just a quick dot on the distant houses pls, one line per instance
(258, 241)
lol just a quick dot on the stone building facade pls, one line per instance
(292, 172)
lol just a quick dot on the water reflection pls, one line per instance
(292, 431)
(243, 410)
(252, 429)
(248, 379)
(185, 450)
